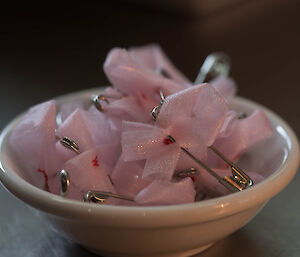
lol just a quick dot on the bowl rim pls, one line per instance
(153, 216)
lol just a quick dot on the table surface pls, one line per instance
(51, 49)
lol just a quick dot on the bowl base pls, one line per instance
(185, 253)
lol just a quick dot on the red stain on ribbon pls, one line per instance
(95, 162)
(168, 141)
(45, 179)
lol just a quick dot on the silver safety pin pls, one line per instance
(185, 173)
(237, 182)
(102, 196)
(97, 99)
(216, 64)
(155, 111)
(64, 182)
(70, 144)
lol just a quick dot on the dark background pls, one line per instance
(52, 48)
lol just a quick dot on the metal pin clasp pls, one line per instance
(101, 196)
(97, 99)
(215, 64)
(70, 144)
(64, 182)
(239, 177)
(186, 173)
(155, 111)
(237, 182)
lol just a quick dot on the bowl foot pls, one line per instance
(185, 253)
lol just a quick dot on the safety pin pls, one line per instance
(216, 64)
(185, 173)
(69, 143)
(155, 111)
(102, 196)
(90, 196)
(237, 182)
(96, 100)
(64, 182)
(63, 174)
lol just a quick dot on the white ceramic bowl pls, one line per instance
(179, 230)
